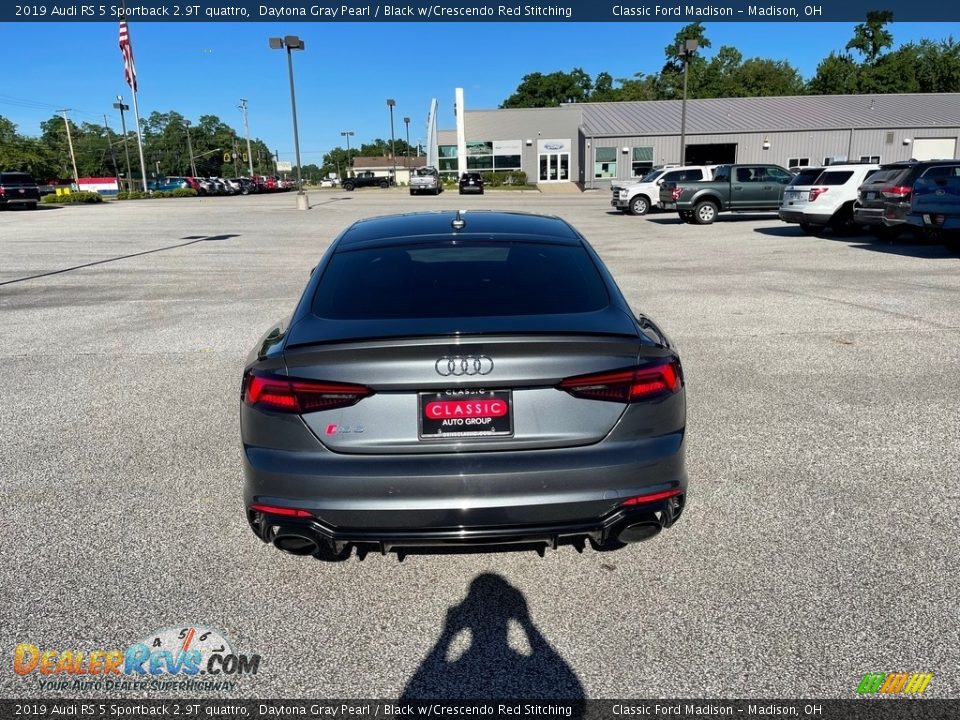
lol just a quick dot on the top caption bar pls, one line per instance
(475, 11)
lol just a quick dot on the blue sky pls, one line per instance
(348, 70)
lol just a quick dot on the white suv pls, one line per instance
(826, 201)
(637, 198)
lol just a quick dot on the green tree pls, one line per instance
(937, 66)
(870, 38)
(539, 90)
(837, 74)
(22, 153)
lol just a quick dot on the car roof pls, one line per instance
(915, 163)
(479, 225)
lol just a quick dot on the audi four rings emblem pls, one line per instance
(466, 365)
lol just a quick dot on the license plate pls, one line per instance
(466, 413)
(791, 195)
(933, 219)
(869, 196)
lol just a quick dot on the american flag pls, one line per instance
(127, 50)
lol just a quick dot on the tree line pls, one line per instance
(865, 65)
(101, 151)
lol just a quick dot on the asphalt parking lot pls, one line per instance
(819, 542)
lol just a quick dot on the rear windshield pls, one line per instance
(885, 175)
(424, 172)
(462, 280)
(16, 178)
(834, 177)
(806, 176)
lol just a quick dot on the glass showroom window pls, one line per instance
(480, 162)
(448, 160)
(642, 161)
(605, 162)
(506, 162)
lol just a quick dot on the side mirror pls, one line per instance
(659, 182)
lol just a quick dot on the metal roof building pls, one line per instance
(597, 144)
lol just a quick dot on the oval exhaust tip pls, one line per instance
(295, 544)
(639, 532)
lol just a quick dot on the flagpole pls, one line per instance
(133, 91)
(136, 115)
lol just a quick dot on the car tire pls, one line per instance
(806, 228)
(384, 185)
(704, 213)
(685, 216)
(348, 187)
(842, 221)
(413, 192)
(640, 205)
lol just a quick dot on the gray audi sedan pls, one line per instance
(461, 379)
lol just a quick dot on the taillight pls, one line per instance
(896, 192)
(294, 395)
(628, 385)
(653, 497)
(676, 192)
(816, 192)
(278, 510)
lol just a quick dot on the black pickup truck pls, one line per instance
(735, 188)
(366, 179)
(18, 188)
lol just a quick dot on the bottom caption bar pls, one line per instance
(857, 709)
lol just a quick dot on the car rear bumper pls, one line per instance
(792, 216)
(928, 221)
(470, 498)
(887, 216)
(625, 524)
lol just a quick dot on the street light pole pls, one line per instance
(193, 164)
(292, 42)
(246, 130)
(347, 134)
(123, 124)
(113, 157)
(686, 49)
(406, 155)
(390, 103)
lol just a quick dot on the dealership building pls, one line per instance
(595, 145)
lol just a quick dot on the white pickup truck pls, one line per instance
(638, 197)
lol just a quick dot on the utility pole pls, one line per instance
(246, 130)
(113, 157)
(73, 159)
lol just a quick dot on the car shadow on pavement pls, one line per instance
(929, 249)
(473, 658)
(191, 240)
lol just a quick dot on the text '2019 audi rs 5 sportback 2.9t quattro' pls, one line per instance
(462, 379)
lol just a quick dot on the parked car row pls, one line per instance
(225, 186)
(918, 195)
